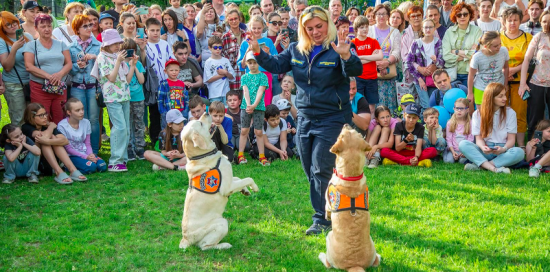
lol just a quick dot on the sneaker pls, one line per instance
(242, 160)
(117, 168)
(8, 181)
(131, 156)
(534, 172)
(425, 163)
(264, 162)
(33, 178)
(504, 170)
(471, 167)
(156, 167)
(104, 137)
(374, 162)
(139, 155)
(1, 164)
(317, 229)
(387, 161)
(181, 168)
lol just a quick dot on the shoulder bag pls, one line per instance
(26, 87)
(49, 87)
(68, 77)
(533, 62)
(392, 70)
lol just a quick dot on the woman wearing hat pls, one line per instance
(48, 61)
(28, 13)
(321, 63)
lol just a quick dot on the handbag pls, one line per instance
(430, 81)
(26, 87)
(533, 63)
(99, 96)
(48, 87)
(392, 69)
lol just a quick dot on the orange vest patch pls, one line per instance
(208, 182)
(340, 202)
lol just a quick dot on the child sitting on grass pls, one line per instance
(380, 134)
(459, 128)
(171, 155)
(22, 155)
(433, 133)
(537, 150)
(196, 108)
(274, 136)
(78, 130)
(285, 107)
(405, 101)
(221, 130)
(409, 137)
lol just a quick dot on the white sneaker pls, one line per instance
(534, 172)
(504, 170)
(471, 167)
(374, 162)
(156, 167)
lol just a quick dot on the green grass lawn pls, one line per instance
(437, 219)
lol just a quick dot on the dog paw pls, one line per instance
(184, 244)
(377, 260)
(245, 192)
(323, 259)
(254, 187)
(223, 246)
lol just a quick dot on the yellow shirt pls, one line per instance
(517, 48)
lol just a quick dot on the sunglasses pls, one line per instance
(217, 47)
(415, 16)
(312, 10)
(463, 15)
(88, 26)
(276, 23)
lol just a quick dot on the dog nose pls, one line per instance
(347, 126)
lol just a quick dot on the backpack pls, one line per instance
(280, 126)
(151, 84)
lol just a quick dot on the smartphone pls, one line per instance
(209, 2)
(285, 32)
(129, 53)
(526, 95)
(538, 135)
(80, 56)
(19, 33)
(142, 11)
(141, 33)
(493, 148)
(262, 45)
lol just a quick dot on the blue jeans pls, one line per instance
(17, 169)
(424, 96)
(474, 154)
(462, 78)
(314, 138)
(276, 85)
(91, 112)
(221, 99)
(440, 145)
(119, 114)
(87, 167)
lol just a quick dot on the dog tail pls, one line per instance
(356, 269)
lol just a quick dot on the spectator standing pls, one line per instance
(231, 42)
(65, 33)
(28, 14)
(485, 22)
(533, 26)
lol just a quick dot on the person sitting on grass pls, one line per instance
(221, 130)
(406, 100)
(459, 128)
(197, 107)
(274, 136)
(51, 143)
(494, 126)
(360, 109)
(171, 155)
(443, 83)
(433, 132)
(380, 134)
(285, 108)
(78, 130)
(409, 139)
(537, 150)
(21, 155)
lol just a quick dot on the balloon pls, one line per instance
(450, 98)
(444, 115)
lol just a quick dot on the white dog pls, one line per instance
(211, 182)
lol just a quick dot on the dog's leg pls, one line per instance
(239, 184)
(244, 191)
(184, 243)
(215, 232)
(323, 259)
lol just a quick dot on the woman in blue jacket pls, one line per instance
(84, 51)
(322, 63)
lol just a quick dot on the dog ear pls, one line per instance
(364, 146)
(337, 147)
(199, 141)
(206, 119)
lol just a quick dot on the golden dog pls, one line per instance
(211, 182)
(349, 244)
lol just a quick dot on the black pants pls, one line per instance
(270, 154)
(227, 150)
(154, 123)
(536, 106)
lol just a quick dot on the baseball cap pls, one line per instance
(249, 55)
(31, 4)
(412, 109)
(106, 16)
(407, 99)
(171, 61)
(283, 104)
(174, 116)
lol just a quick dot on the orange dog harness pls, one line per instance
(340, 202)
(210, 181)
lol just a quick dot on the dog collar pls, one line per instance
(348, 178)
(210, 153)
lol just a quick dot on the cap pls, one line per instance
(110, 37)
(174, 116)
(407, 99)
(249, 55)
(31, 4)
(171, 61)
(106, 16)
(283, 104)
(412, 109)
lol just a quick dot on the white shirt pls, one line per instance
(429, 50)
(220, 87)
(499, 135)
(274, 133)
(158, 54)
(492, 26)
(58, 35)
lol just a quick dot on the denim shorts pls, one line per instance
(369, 89)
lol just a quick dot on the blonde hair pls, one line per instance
(157, 7)
(453, 123)
(216, 107)
(256, 19)
(430, 112)
(305, 43)
(72, 6)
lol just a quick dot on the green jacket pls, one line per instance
(451, 43)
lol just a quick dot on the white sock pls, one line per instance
(538, 166)
(377, 154)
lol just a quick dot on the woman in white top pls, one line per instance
(485, 22)
(494, 126)
(208, 26)
(501, 5)
(65, 33)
